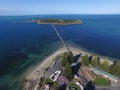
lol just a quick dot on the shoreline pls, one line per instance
(31, 73)
(102, 57)
(72, 44)
(37, 71)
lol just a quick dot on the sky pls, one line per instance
(31, 7)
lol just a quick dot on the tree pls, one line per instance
(113, 69)
(105, 65)
(94, 62)
(49, 81)
(68, 72)
(67, 58)
(56, 86)
(70, 58)
(64, 60)
(85, 60)
(41, 81)
(117, 68)
(73, 86)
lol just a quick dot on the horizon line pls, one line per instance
(61, 14)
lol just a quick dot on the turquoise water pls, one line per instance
(24, 44)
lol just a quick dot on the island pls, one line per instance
(57, 21)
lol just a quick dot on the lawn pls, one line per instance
(102, 81)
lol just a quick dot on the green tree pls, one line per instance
(49, 81)
(67, 58)
(117, 68)
(85, 60)
(113, 69)
(64, 60)
(60, 56)
(70, 58)
(41, 81)
(68, 72)
(94, 62)
(105, 65)
(56, 86)
(73, 86)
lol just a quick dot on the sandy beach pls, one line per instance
(33, 75)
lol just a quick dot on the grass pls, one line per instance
(59, 56)
(102, 81)
(73, 86)
(49, 81)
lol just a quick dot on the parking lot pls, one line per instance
(55, 67)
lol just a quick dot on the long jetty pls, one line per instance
(60, 38)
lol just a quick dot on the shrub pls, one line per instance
(49, 81)
(73, 86)
(94, 62)
(41, 81)
(60, 56)
(105, 66)
(85, 60)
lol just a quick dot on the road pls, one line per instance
(107, 88)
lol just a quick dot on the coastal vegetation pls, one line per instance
(70, 57)
(101, 81)
(73, 86)
(56, 86)
(67, 60)
(85, 60)
(60, 56)
(41, 81)
(95, 62)
(105, 66)
(57, 21)
(64, 60)
(49, 81)
(68, 72)
(113, 69)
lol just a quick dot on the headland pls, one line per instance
(32, 77)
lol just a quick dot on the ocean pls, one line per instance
(23, 44)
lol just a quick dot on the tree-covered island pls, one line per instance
(57, 21)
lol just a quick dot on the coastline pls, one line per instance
(31, 73)
(85, 51)
(38, 70)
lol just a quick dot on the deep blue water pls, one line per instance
(24, 44)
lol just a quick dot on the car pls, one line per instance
(55, 75)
